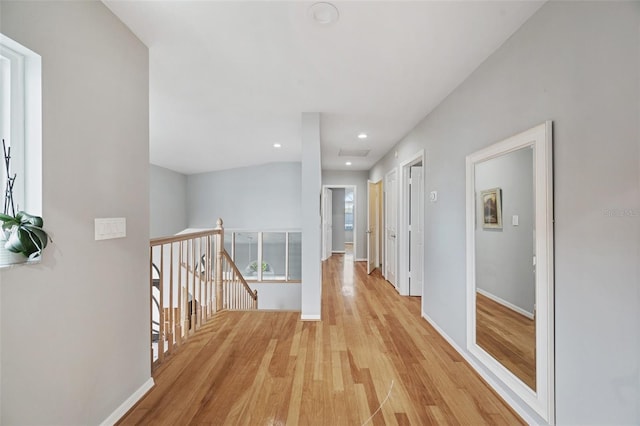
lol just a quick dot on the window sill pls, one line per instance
(15, 265)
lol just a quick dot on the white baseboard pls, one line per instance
(361, 260)
(310, 317)
(338, 251)
(128, 403)
(516, 309)
(490, 380)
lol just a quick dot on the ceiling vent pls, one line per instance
(353, 152)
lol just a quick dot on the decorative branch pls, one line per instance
(8, 192)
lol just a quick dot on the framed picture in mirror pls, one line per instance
(491, 208)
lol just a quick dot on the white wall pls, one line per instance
(359, 180)
(75, 328)
(504, 257)
(168, 201)
(264, 197)
(576, 63)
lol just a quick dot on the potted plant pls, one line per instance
(21, 235)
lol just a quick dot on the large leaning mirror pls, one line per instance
(510, 264)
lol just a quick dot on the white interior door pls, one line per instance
(327, 226)
(372, 227)
(391, 226)
(416, 233)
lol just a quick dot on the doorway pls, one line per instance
(391, 226)
(327, 222)
(411, 241)
(339, 219)
(374, 225)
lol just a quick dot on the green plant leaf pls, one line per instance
(29, 242)
(24, 217)
(40, 234)
(7, 220)
(25, 234)
(14, 244)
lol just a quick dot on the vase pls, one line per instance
(10, 258)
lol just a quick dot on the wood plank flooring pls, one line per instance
(371, 360)
(508, 336)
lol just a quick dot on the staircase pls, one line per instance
(192, 277)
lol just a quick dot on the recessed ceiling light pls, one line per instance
(277, 145)
(362, 135)
(348, 163)
(323, 13)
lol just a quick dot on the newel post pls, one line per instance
(219, 256)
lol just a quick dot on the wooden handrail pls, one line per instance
(183, 237)
(182, 295)
(252, 293)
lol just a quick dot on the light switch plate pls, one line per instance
(111, 227)
(515, 220)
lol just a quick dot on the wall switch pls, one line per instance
(108, 228)
(433, 196)
(515, 220)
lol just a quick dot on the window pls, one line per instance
(21, 122)
(266, 256)
(348, 210)
(274, 255)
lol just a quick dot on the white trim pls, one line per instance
(402, 242)
(496, 385)
(542, 400)
(25, 134)
(509, 305)
(304, 317)
(387, 207)
(338, 251)
(361, 260)
(128, 403)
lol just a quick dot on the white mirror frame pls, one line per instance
(542, 399)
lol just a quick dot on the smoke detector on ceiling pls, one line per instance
(323, 13)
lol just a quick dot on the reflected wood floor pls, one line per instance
(371, 350)
(508, 336)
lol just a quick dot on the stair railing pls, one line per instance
(191, 278)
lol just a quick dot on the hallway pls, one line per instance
(371, 350)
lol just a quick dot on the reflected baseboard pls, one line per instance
(506, 304)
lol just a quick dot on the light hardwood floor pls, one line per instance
(371, 350)
(508, 336)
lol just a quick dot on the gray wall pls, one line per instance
(75, 328)
(261, 197)
(338, 235)
(576, 63)
(359, 180)
(168, 198)
(504, 257)
(278, 296)
(311, 291)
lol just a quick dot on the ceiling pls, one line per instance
(230, 79)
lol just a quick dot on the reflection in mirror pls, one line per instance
(504, 249)
(510, 266)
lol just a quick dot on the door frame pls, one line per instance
(355, 210)
(374, 262)
(386, 208)
(403, 231)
